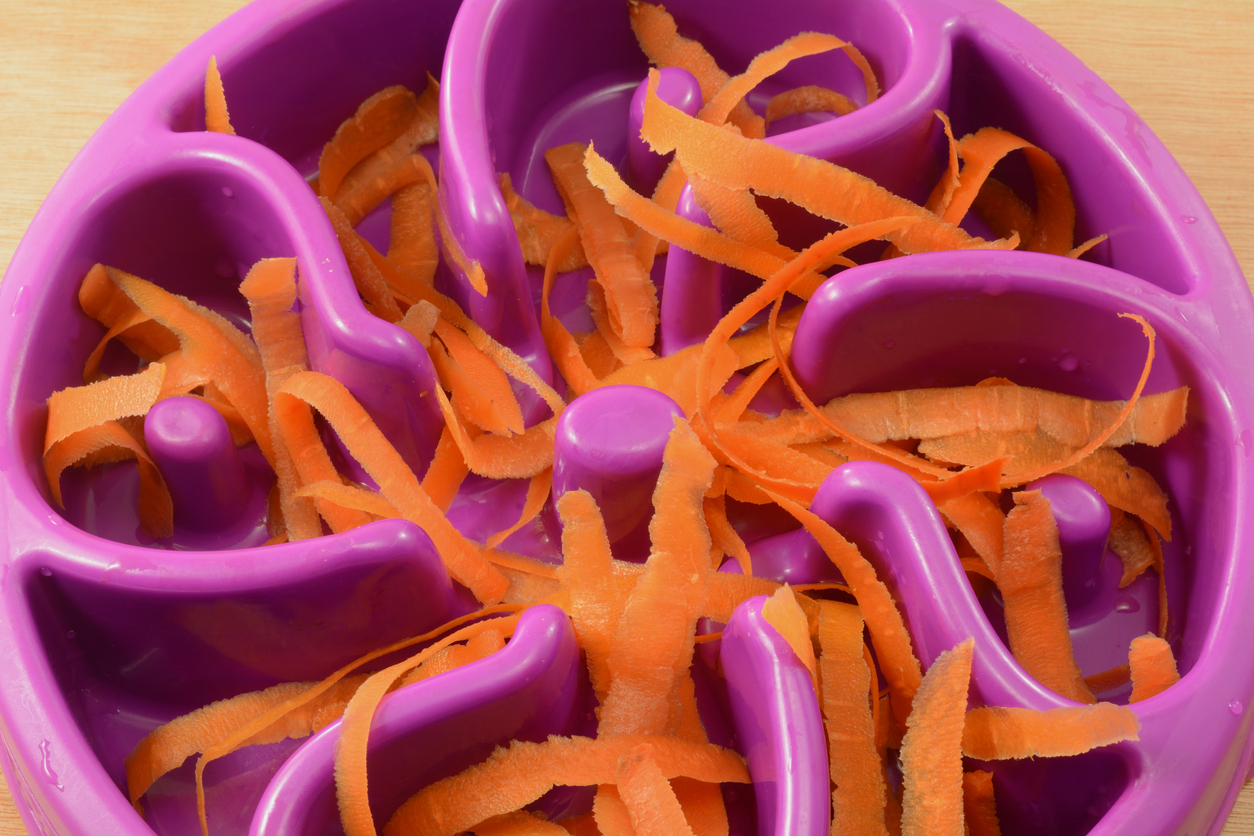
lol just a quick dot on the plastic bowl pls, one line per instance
(109, 634)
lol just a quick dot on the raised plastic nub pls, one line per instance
(610, 444)
(1083, 519)
(678, 88)
(192, 445)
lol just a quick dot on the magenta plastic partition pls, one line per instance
(106, 633)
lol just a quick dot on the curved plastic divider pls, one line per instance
(776, 718)
(533, 688)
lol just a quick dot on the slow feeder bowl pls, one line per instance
(111, 634)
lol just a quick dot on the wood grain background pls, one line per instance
(1186, 66)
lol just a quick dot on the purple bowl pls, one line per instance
(106, 634)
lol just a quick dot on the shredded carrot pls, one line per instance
(1030, 580)
(1004, 733)
(808, 99)
(888, 630)
(596, 601)
(217, 119)
(660, 39)
(350, 753)
(979, 808)
(270, 288)
(515, 776)
(654, 641)
(446, 472)
(396, 481)
(651, 804)
(1129, 540)
(539, 231)
(110, 442)
(765, 64)
(350, 497)
(518, 823)
(378, 121)
(821, 188)
(411, 242)
(537, 494)
(168, 746)
(631, 299)
(853, 763)
(1152, 666)
(931, 751)
(782, 612)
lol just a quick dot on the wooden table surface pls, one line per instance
(1186, 66)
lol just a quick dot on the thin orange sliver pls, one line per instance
(395, 480)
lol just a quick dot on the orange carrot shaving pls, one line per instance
(1130, 541)
(350, 497)
(982, 523)
(1030, 580)
(651, 803)
(853, 763)
(270, 288)
(1152, 666)
(888, 631)
(411, 242)
(1005, 733)
(212, 344)
(1109, 679)
(1081, 249)
(423, 129)
(631, 299)
(1054, 229)
(985, 477)
(477, 647)
(79, 408)
(610, 813)
(702, 240)
(1102, 437)
(562, 347)
(820, 187)
(538, 231)
(446, 472)
(168, 746)
(537, 495)
(378, 121)
(488, 397)
(518, 823)
(653, 644)
(765, 64)
(102, 300)
(370, 284)
(110, 442)
(808, 99)
(596, 600)
(660, 39)
(217, 119)
(723, 535)
(979, 808)
(1003, 210)
(350, 753)
(396, 481)
(931, 751)
(515, 776)
(782, 612)
(971, 412)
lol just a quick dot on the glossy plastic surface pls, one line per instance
(104, 634)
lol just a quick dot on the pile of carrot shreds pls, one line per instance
(654, 768)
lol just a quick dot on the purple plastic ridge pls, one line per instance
(151, 167)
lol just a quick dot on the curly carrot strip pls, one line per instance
(931, 751)
(396, 481)
(217, 120)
